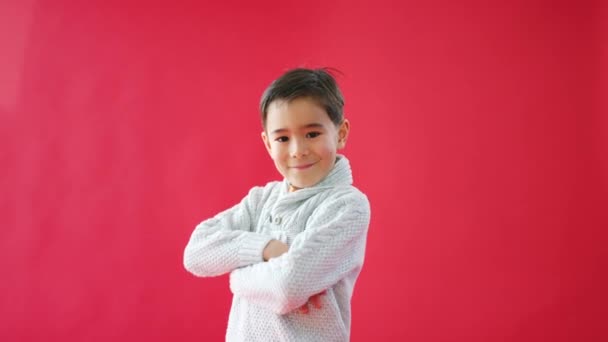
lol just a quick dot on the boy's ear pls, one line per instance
(266, 141)
(343, 131)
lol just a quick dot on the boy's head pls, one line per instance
(317, 84)
(304, 126)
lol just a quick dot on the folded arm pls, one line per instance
(331, 247)
(226, 241)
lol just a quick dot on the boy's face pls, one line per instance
(302, 140)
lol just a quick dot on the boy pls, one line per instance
(294, 249)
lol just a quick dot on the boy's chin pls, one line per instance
(297, 184)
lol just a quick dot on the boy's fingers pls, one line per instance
(316, 301)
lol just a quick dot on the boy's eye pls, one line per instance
(313, 134)
(281, 139)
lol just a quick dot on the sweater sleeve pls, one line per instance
(331, 247)
(227, 241)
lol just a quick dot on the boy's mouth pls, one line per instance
(302, 167)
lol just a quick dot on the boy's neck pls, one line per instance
(294, 188)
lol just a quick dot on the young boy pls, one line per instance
(294, 249)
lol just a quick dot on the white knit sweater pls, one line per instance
(325, 227)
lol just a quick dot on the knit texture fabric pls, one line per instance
(325, 227)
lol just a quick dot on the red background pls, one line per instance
(479, 133)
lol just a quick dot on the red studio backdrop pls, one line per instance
(479, 133)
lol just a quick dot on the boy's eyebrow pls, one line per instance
(311, 125)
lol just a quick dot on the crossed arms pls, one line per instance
(266, 272)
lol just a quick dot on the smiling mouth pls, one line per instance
(302, 167)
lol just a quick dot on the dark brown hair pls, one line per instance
(318, 84)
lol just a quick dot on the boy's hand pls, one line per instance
(315, 301)
(274, 249)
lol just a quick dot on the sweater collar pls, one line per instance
(340, 175)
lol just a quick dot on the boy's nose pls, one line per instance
(298, 148)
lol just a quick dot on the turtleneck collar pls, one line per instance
(340, 175)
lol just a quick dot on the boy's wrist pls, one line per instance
(249, 253)
(273, 249)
